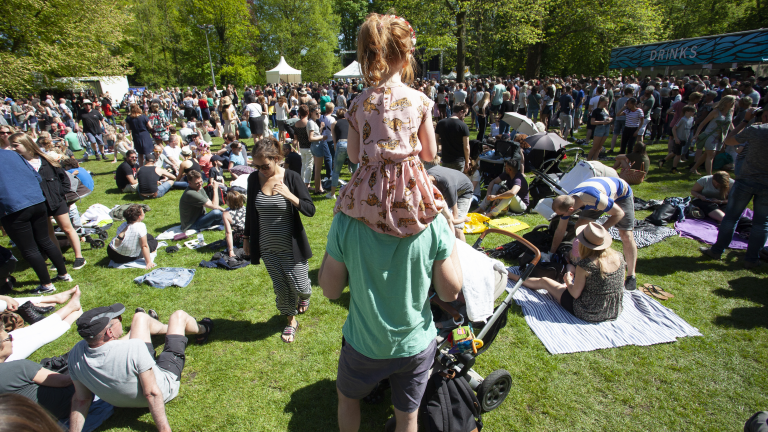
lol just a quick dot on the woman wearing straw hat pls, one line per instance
(228, 115)
(592, 290)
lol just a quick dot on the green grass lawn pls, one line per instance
(247, 379)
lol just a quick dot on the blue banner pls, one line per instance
(747, 47)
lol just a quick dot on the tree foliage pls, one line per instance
(305, 32)
(41, 40)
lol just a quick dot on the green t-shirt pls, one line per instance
(648, 107)
(74, 143)
(324, 100)
(191, 207)
(389, 277)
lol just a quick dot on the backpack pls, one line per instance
(450, 405)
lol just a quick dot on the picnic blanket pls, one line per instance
(642, 322)
(705, 230)
(170, 233)
(139, 263)
(645, 233)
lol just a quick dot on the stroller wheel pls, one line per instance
(97, 244)
(494, 390)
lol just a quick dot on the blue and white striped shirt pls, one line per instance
(600, 193)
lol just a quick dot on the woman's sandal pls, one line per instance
(290, 331)
(647, 291)
(303, 303)
(658, 290)
(203, 338)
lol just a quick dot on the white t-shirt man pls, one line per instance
(459, 96)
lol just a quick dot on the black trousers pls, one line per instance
(122, 259)
(28, 229)
(628, 139)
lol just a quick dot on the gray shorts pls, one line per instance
(463, 204)
(627, 223)
(408, 376)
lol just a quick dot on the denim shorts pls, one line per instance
(602, 130)
(316, 149)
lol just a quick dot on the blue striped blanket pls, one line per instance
(643, 321)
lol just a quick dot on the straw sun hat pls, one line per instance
(594, 236)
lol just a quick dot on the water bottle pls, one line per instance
(200, 239)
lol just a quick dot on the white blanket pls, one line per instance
(643, 321)
(480, 277)
(170, 233)
(95, 214)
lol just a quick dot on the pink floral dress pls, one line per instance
(391, 191)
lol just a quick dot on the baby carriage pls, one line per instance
(94, 236)
(492, 161)
(549, 167)
(451, 359)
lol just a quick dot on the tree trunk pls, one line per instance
(533, 62)
(461, 34)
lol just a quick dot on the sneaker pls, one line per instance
(674, 171)
(330, 195)
(98, 158)
(65, 278)
(44, 290)
(708, 252)
(630, 284)
(79, 263)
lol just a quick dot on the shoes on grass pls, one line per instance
(708, 252)
(63, 278)
(79, 263)
(630, 284)
(41, 289)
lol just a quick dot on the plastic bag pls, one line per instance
(476, 223)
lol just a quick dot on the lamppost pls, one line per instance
(206, 28)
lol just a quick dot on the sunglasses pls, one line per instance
(263, 167)
(9, 338)
(4, 133)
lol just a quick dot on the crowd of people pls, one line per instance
(413, 182)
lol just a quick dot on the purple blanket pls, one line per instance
(705, 230)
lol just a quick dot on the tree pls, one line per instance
(41, 40)
(351, 14)
(304, 32)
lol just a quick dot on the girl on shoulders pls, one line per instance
(390, 134)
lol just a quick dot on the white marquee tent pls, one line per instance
(351, 71)
(283, 72)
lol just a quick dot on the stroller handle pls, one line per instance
(525, 242)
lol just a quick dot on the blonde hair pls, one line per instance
(25, 140)
(726, 101)
(600, 257)
(383, 42)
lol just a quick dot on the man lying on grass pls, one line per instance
(124, 370)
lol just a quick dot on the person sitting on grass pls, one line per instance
(234, 221)
(236, 158)
(710, 195)
(193, 203)
(595, 290)
(515, 198)
(637, 160)
(132, 240)
(122, 145)
(125, 176)
(154, 181)
(126, 372)
(27, 340)
(51, 390)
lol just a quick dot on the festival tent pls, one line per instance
(351, 71)
(283, 72)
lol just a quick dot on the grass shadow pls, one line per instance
(247, 331)
(128, 418)
(163, 229)
(343, 300)
(314, 407)
(113, 191)
(747, 288)
(691, 264)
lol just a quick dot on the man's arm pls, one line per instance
(154, 400)
(562, 226)
(448, 277)
(731, 140)
(131, 179)
(81, 402)
(48, 378)
(332, 277)
(214, 205)
(616, 214)
(165, 173)
(465, 142)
